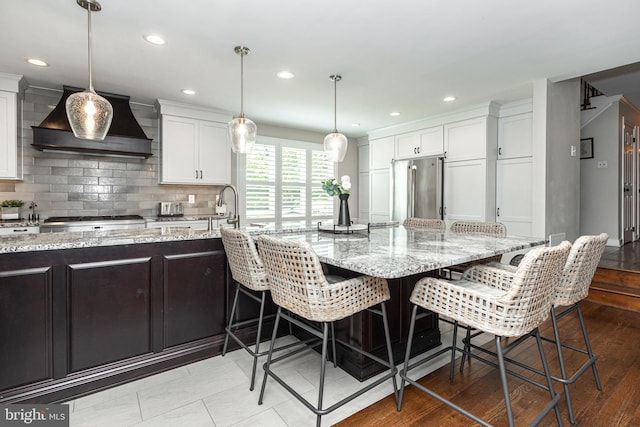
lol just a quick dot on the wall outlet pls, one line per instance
(192, 198)
(574, 151)
(602, 164)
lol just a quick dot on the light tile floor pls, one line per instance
(215, 392)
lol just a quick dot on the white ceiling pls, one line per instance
(404, 55)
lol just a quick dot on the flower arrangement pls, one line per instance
(335, 188)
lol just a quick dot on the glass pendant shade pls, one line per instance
(335, 146)
(242, 131)
(89, 115)
(242, 134)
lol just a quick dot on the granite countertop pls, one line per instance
(10, 223)
(389, 252)
(398, 252)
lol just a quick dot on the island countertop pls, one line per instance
(388, 252)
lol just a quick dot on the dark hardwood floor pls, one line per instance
(614, 329)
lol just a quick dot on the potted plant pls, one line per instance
(10, 209)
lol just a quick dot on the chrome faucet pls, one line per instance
(235, 220)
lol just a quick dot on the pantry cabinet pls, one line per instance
(194, 147)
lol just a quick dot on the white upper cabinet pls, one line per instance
(380, 153)
(466, 140)
(515, 136)
(426, 142)
(194, 147)
(9, 88)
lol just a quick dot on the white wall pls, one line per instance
(556, 183)
(563, 177)
(599, 188)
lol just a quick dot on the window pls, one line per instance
(281, 183)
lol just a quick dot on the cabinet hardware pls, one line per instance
(498, 212)
(196, 173)
(445, 211)
(445, 154)
(201, 174)
(499, 151)
(21, 230)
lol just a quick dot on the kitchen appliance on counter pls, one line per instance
(92, 223)
(417, 188)
(170, 209)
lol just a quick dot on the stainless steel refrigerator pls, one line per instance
(417, 188)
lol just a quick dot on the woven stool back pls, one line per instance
(299, 285)
(244, 261)
(579, 270)
(426, 223)
(531, 294)
(496, 228)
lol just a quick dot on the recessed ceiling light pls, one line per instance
(38, 62)
(449, 98)
(285, 74)
(395, 114)
(355, 125)
(188, 91)
(154, 39)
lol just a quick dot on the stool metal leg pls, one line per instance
(387, 337)
(233, 313)
(503, 377)
(323, 367)
(545, 366)
(268, 362)
(452, 364)
(407, 354)
(589, 350)
(258, 336)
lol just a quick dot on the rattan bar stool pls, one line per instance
(573, 287)
(250, 275)
(426, 223)
(502, 306)
(477, 227)
(299, 286)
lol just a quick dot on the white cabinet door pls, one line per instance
(194, 151)
(432, 141)
(380, 191)
(380, 153)
(214, 154)
(465, 191)
(423, 143)
(8, 135)
(515, 136)
(513, 195)
(466, 140)
(179, 147)
(407, 145)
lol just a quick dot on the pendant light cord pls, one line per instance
(89, 50)
(335, 104)
(242, 83)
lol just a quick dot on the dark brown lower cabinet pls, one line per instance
(76, 321)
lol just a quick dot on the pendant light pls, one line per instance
(89, 114)
(242, 131)
(335, 144)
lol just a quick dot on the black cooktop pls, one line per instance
(92, 218)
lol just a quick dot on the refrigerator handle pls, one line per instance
(411, 189)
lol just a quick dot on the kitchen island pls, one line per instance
(84, 311)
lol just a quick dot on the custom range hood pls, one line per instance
(125, 136)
